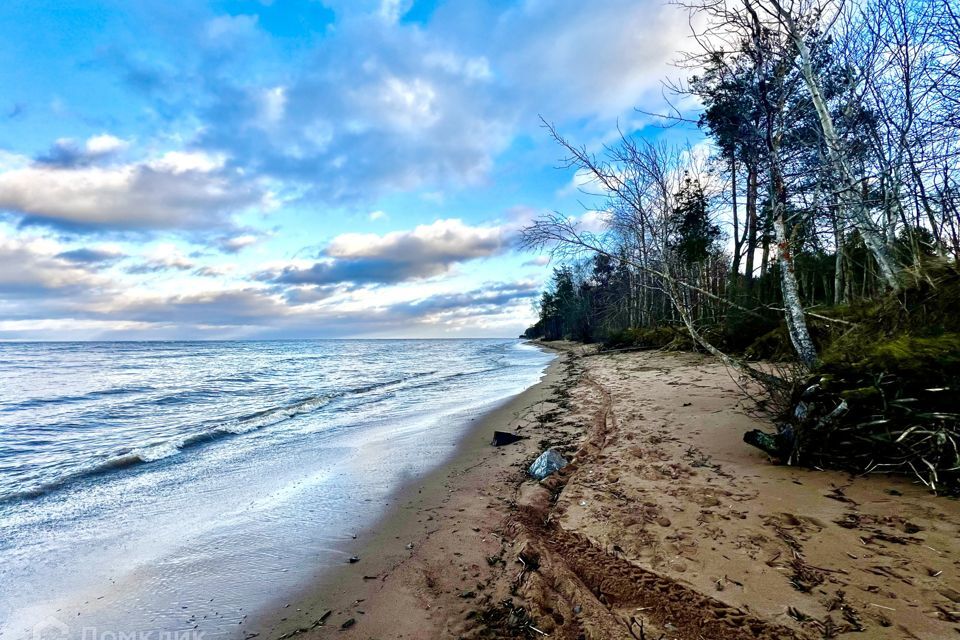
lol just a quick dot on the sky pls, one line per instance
(257, 169)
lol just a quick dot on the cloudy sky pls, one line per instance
(300, 168)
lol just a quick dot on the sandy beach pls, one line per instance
(664, 525)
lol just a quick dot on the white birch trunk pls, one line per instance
(873, 237)
(792, 306)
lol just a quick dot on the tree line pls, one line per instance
(832, 177)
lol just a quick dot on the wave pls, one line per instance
(93, 395)
(185, 397)
(162, 450)
(454, 376)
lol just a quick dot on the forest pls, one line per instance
(812, 242)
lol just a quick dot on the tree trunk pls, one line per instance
(765, 257)
(838, 265)
(872, 236)
(751, 231)
(737, 238)
(793, 308)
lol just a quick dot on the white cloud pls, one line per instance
(596, 60)
(379, 107)
(177, 190)
(43, 294)
(408, 104)
(168, 256)
(104, 144)
(32, 268)
(472, 68)
(187, 161)
(361, 108)
(383, 106)
(232, 245)
(442, 240)
(67, 152)
(594, 221)
(369, 258)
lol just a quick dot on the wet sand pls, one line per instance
(665, 525)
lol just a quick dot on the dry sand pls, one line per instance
(665, 525)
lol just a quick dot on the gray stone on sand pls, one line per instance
(549, 462)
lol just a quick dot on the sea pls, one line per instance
(158, 488)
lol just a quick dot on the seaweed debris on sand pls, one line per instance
(886, 394)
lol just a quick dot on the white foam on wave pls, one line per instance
(158, 451)
(155, 452)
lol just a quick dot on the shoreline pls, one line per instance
(665, 524)
(203, 542)
(340, 592)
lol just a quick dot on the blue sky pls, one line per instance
(300, 168)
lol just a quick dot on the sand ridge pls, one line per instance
(665, 525)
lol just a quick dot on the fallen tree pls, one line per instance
(886, 396)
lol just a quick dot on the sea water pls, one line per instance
(160, 487)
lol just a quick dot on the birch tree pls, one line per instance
(786, 16)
